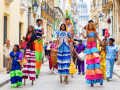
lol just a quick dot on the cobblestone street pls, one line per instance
(51, 82)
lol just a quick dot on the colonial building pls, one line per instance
(13, 23)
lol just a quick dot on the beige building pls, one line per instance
(13, 23)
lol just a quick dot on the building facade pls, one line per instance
(13, 23)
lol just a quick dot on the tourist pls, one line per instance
(6, 51)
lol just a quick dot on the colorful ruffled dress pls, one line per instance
(103, 63)
(93, 72)
(63, 57)
(15, 72)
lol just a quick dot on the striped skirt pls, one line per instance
(29, 68)
(93, 72)
(63, 59)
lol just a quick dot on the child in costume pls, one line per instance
(15, 72)
(63, 57)
(93, 72)
(103, 60)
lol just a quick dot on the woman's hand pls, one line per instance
(82, 34)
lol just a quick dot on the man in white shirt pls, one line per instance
(6, 51)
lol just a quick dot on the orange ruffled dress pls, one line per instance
(93, 72)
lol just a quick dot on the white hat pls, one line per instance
(54, 39)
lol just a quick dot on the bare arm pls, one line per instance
(72, 32)
(97, 37)
(117, 55)
(73, 41)
(85, 37)
(42, 31)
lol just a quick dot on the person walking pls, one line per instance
(39, 31)
(103, 60)
(29, 68)
(63, 57)
(80, 64)
(93, 72)
(53, 46)
(15, 72)
(111, 57)
(6, 51)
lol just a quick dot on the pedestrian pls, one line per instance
(29, 68)
(103, 60)
(53, 46)
(15, 72)
(38, 45)
(48, 49)
(45, 49)
(63, 57)
(6, 51)
(80, 64)
(93, 72)
(111, 57)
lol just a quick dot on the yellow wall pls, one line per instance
(12, 11)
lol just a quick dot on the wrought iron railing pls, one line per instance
(48, 10)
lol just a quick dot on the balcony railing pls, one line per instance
(48, 10)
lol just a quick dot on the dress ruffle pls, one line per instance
(92, 77)
(92, 50)
(94, 81)
(93, 66)
(93, 71)
(16, 73)
(93, 61)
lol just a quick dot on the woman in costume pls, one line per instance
(53, 46)
(93, 72)
(63, 57)
(103, 60)
(15, 72)
(29, 68)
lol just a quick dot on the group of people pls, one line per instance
(96, 69)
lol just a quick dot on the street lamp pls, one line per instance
(101, 17)
(35, 6)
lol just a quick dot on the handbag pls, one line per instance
(81, 56)
(23, 62)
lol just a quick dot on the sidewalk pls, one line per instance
(5, 78)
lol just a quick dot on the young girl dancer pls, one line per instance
(93, 72)
(63, 57)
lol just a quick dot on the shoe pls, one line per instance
(101, 84)
(83, 73)
(8, 72)
(79, 73)
(92, 85)
(50, 72)
(36, 76)
(108, 79)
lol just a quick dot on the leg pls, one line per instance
(26, 67)
(32, 66)
(82, 66)
(6, 63)
(60, 78)
(78, 63)
(108, 69)
(111, 68)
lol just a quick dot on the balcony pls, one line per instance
(8, 1)
(47, 12)
(107, 5)
(23, 5)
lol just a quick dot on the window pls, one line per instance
(20, 26)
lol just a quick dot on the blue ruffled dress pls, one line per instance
(63, 57)
(15, 72)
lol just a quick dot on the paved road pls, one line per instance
(51, 82)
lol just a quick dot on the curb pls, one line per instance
(5, 82)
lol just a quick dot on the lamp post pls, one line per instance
(35, 6)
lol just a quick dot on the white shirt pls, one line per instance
(7, 51)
